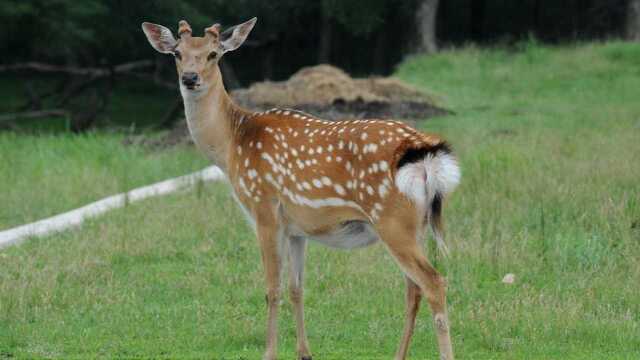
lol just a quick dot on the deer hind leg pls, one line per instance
(413, 297)
(400, 239)
(297, 247)
(271, 246)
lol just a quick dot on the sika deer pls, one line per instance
(345, 184)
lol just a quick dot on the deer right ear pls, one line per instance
(159, 37)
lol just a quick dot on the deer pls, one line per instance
(345, 184)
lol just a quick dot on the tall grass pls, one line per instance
(548, 140)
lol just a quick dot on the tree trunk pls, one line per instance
(633, 20)
(477, 20)
(426, 24)
(324, 49)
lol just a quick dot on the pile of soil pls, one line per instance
(329, 93)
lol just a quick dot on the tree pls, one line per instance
(426, 25)
(633, 20)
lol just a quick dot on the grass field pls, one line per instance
(549, 140)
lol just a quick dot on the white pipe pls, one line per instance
(77, 216)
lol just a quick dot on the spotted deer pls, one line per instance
(345, 184)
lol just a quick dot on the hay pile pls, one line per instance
(325, 85)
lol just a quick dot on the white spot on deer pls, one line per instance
(319, 149)
(326, 181)
(382, 190)
(361, 174)
(259, 145)
(307, 162)
(286, 113)
(294, 152)
(341, 145)
(339, 189)
(306, 185)
(311, 151)
(239, 149)
(364, 136)
(370, 190)
(338, 159)
(317, 183)
(384, 166)
(328, 158)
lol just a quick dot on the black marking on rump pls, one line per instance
(412, 155)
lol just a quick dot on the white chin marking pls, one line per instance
(422, 180)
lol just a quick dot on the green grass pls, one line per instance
(44, 175)
(548, 139)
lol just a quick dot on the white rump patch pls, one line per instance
(435, 174)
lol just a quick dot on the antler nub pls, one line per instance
(213, 30)
(184, 28)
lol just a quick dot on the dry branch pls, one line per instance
(34, 114)
(73, 70)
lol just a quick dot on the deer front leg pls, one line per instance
(269, 237)
(413, 298)
(297, 247)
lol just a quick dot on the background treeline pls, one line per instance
(362, 36)
(84, 63)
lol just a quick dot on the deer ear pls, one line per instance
(159, 37)
(234, 36)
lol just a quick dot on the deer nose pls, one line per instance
(189, 79)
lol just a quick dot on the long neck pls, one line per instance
(212, 118)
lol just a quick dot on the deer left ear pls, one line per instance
(233, 37)
(159, 37)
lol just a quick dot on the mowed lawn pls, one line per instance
(549, 141)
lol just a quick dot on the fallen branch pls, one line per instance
(76, 217)
(34, 114)
(73, 70)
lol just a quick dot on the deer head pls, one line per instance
(197, 57)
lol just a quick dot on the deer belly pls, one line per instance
(348, 235)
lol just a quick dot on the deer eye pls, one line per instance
(212, 55)
(177, 55)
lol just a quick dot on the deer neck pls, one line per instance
(212, 118)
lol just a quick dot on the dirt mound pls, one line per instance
(325, 85)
